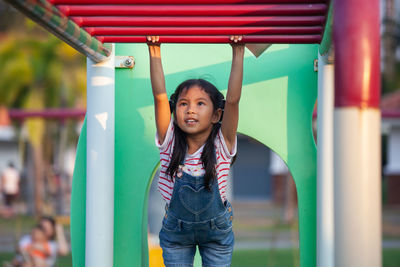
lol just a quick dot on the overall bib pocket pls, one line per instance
(170, 224)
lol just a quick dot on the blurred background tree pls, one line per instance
(390, 47)
(38, 71)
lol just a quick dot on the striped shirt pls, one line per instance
(193, 164)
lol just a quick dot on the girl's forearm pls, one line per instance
(236, 76)
(156, 71)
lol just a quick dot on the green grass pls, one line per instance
(62, 261)
(256, 258)
(17, 225)
(289, 258)
(270, 258)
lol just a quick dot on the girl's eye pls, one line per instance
(201, 103)
(182, 104)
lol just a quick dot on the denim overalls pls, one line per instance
(196, 216)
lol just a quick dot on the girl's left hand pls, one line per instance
(153, 40)
(236, 39)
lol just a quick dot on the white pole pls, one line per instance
(325, 227)
(357, 187)
(100, 163)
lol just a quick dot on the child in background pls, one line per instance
(33, 252)
(197, 145)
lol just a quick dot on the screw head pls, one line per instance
(128, 62)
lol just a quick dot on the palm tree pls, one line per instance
(39, 71)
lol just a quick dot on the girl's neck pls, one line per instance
(194, 142)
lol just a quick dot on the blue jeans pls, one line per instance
(197, 217)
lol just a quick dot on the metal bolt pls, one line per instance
(128, 62)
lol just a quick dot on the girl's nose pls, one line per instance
(190, 109)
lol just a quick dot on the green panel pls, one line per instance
(78, 202)
(282, 105)
(276, 108)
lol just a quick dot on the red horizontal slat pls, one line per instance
(19, 114)
(195, 2)
(199, 21)
(299, 39)
(194, 10)
(203, 30)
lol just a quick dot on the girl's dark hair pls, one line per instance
(52, 222)
(179, 151)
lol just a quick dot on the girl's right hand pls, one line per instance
(153, 40)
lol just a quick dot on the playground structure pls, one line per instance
(116, 153)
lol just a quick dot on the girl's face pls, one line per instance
(195, 112)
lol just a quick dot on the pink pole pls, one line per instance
(202, 30)
(199, 21)
(194, 10)
(277, 39)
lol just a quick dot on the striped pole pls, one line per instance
(357, 151)
(61, 26)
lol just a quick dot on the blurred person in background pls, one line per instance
(55, 239)
(10, 179)
(33, 251)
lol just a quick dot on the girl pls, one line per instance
(196, 149)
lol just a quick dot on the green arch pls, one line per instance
(279, 93)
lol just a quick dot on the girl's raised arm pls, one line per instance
(161, 104)
(231, 111)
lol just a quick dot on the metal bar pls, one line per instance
(185, 2)
(58, 24)
(199, 21)
(202, 30)
(277, 39)
(194, 10)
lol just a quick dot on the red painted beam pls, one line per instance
(21, 114)
(184, 2)
(194, 10)
(356, 36)
(385, 114)
(199, 21)
(391, 114)
(203, 30)
(282, 39)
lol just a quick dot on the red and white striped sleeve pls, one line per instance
(224, 158)
(165, 183)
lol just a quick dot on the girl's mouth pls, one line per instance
(190, 122)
